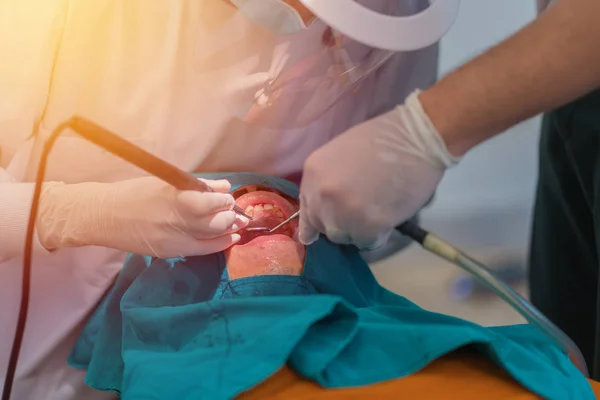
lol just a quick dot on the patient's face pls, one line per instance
(259, 253)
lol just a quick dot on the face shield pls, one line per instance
(322, 50)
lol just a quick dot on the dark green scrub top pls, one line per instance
(565, 240)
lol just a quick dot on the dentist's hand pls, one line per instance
(143, 216)
(373, 177)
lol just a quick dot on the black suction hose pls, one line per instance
(483, 274)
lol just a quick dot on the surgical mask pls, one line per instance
(304, 81)
(274, 15)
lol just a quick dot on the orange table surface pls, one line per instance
(455, 376)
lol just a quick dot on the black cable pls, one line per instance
(26, 280)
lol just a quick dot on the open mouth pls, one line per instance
(269, 208)
(263, 253)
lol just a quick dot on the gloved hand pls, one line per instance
(144, 216)
(362, 184)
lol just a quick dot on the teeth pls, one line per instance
(252, 210)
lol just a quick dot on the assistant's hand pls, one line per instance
(143, 216)
(373, 177)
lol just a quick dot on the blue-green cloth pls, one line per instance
(181, 329)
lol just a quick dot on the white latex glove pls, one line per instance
(143, 216)
(362, 184)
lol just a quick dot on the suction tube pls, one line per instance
(441, 248)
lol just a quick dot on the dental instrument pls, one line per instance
(122, 148)
(267, 230)
(443, 249)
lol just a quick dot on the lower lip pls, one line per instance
(262, 240)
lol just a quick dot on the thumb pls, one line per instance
(211, 246)
(307, 234)
(221, 185)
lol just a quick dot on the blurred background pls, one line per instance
(484, 205)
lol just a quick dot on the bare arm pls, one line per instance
(550, 62)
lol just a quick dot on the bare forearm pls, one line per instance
(552, 61)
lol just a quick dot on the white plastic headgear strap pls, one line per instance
(387, 32)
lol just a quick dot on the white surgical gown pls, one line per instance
(139, 68)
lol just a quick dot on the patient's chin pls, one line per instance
(271, 257)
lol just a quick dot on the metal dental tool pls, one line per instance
(267, 230)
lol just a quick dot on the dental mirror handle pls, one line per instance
(129, 152)
(265, 229)
(294, 215)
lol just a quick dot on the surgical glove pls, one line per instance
(143, 216)
(357, 188)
